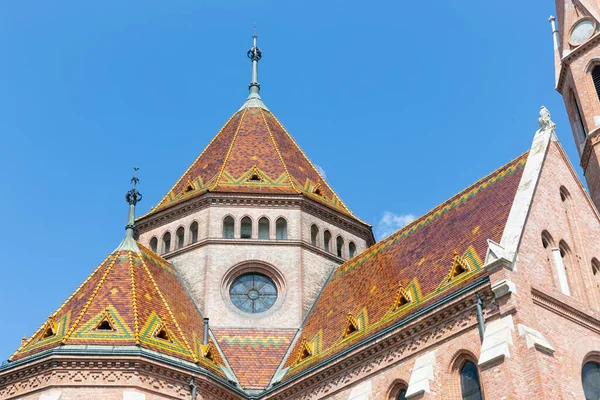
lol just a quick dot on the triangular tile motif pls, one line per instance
(152, 333)
(107, 324)
(462, 268)
(306, 350)
(352, 325)
(403, 298)
(51, 332)
(255, 176)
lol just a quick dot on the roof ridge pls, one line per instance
(278, 151)
(166, 304)
(88, 303)
(136, 327)
(191, 165)
(316, 169)
(229, 150)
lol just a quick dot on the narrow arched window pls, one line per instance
(579, 126)
(564, 194)
(327, 240)
(401, 394)
(351, 250)
(166, 243)
(596, 79)
(563, 266)
(246, 228)
(314, 234)
(590, 379)
(263, 228)
(228, 227)
(194, 232)
(180, 237)
(281, 229)
(339, 242)
(469, 382)
(154, 244)
(547, 240)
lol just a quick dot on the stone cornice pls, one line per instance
(195, 204)
(591, 141)
(437, 322)
(585, 318)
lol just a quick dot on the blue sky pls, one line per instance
(402, 104)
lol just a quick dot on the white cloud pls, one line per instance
(321, 171)
(390, 223)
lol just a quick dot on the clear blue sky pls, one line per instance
(402, 103)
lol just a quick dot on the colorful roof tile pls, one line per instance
(131, 298)
(426, 260)
(254, 354)
(253, 153)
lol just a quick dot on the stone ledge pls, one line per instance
(497, 337)
(421, 375)
(535, 339)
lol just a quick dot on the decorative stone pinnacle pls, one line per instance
(545, 120)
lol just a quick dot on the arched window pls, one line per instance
(563, 266)
(564, 194)
(351, 250)
(579, 126)
(469, 382)
(401, 394)
(228, 227)
(590, 379)
(281, 229)
(314, 234)
(180, 237)
(246, 228)
(547, 240)
(166, 243)
(596, 79)
(327, 240)
(263, 228)
(339, 246)
(154, 244)
(595, 267)
(194, 232)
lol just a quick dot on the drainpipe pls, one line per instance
(205, 341)
(194, 388)
(480, 316)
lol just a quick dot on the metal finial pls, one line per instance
(254, 54)
(133, 196)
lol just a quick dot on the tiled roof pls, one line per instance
(253, 153)
(254, 354)
(426, 260)
(128, 300)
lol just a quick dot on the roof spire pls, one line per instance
(132, 197)
(254, 54)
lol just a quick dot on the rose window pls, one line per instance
(253, 293)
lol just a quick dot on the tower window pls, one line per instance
(263, 228)
(246, 228)
(470, 386)
(351, 250)
(154, 244)
(596, 267)
(547, 240)
(314, 234)
(166, 243)
(194, 232)
(281, 229)
(228, 226)
(596, 79)
(590, 379)
(327, 240)
(339, 246)
(579, 126)
(180, 237)
(564, 194)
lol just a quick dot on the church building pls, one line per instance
(251, 279)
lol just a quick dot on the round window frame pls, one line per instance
(254, 267)
(579, 21)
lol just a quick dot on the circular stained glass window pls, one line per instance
(253, 293)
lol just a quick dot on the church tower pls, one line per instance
(252, 227)
(577, 63)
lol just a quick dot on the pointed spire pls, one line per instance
(254, 54)
(132, 197)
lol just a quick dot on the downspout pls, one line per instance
(480, 316)
(194, 388)
(205, 341)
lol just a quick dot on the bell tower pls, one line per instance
(577, 64)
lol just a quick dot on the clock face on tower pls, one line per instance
(582, 31)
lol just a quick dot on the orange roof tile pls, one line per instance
(415, 262)
(254, 354)
(127, 300)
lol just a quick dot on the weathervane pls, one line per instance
(133, 196)
(254, 53)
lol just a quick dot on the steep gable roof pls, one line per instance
(438, 253)
(253, 153)
(131, 298)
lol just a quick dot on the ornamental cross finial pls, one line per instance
(545, 120)
(133, 196)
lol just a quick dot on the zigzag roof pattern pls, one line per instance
(428, 259)
(131, 298)
(253, 153)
